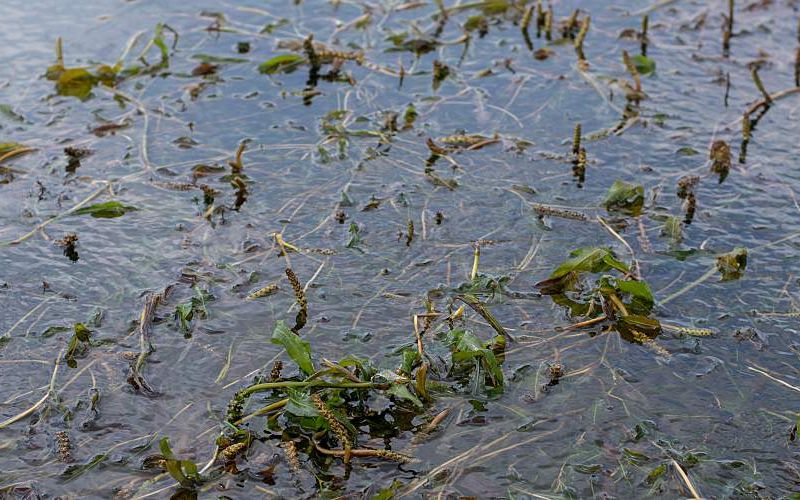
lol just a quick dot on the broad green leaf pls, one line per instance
(641, 297)
(105, 210)
(285, 63)
(401, 391)
(590, 259)
(625, 197)
(76, 82)
(297, 349)
(732, 264)
(644, 65)
(166, 451)
(300, 404)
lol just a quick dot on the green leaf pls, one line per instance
(184, 313)
(644, 65)
(587, 468)
(285, 63)
(297, 349)
(212, 59)
(732, 264)
(52, 330)
(401, 391)
(76, 82)
(166, 451)
(75, 470)
(590, 259)
(355, 236)
(625, 197)
(688, 151)
(81, 332)
(183, 471)
(642, 299)
(655, 474)
(300, 404)
(105, 210)
(466, 345)
(673, 228)
(474, 22)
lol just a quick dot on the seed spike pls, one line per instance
(576, 139)
(302, 302)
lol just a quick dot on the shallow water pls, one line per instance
(721, 405)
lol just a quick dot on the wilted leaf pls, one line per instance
(732, 264)
(297, 349)
(105, 210)
(625, 197)
(285, 63)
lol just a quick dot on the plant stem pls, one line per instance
(312, 383)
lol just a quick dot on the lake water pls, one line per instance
(338, 167)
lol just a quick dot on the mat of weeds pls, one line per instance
(393, 249)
